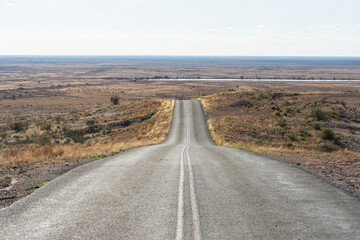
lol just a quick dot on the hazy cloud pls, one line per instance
(214, 30)
(119, 43)
(333, 26)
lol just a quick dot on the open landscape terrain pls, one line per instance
(56, 113)
(318, 130)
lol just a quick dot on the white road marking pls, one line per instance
(194, 206)
(180, 213)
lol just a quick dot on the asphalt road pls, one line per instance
(185, 188)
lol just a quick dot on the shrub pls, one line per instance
(76, 136)
(327, 134)
(289, 144)
(291, 136)
(282, 123)
(90, 122)
(231, 90)
(328, 148)
(3, 135)
(126, 123)
(148, 116)
(46, 127)
(42, 140)
(107, 130)
(317, 126)
(115, 100)
(18, 126)
(318, 114)
(290, 110)
(268, 94)
(58, 119)
(303, 132)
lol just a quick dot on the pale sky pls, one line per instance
(180, 27)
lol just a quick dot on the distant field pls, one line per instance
(57, 72)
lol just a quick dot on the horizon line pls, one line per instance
(169, 55)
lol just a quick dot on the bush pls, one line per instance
(47, 127)
(231, 90)
(328, 148)
(318, 114)
(327, 134)
(76, 136)
(126, 123)
(268, 94)
(282, 124)
(107, 130)
(3, 135)
(90, 122)
(148, 116)
(18, 126)
(289, 144)
(115, 100)
(317, 126)
(303, 132)
(290, 110)
(291, 136)
(42, 140)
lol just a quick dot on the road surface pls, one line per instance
(185, 188)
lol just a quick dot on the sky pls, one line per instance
(180, 27)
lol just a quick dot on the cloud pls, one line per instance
(121, 43)
(334, 26)
(261, 26)
(261, 29)
(214, 30)
(10, 5)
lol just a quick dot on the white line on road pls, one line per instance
(194, 206)
(180, 213)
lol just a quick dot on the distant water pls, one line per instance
(253, 80)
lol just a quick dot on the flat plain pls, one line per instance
(56, 112)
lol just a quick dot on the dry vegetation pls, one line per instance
(56, 112)
(317, 130)
(99, 131)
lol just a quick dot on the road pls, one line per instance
(184, 188)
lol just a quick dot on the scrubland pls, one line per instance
(316, 130)
(34, 152)
(92, 133)
(56, 113)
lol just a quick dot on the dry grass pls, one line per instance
(279, 119)
(149, 131)
(281, 125)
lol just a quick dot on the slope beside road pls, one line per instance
(184, 188)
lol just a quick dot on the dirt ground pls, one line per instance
(20, 180)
